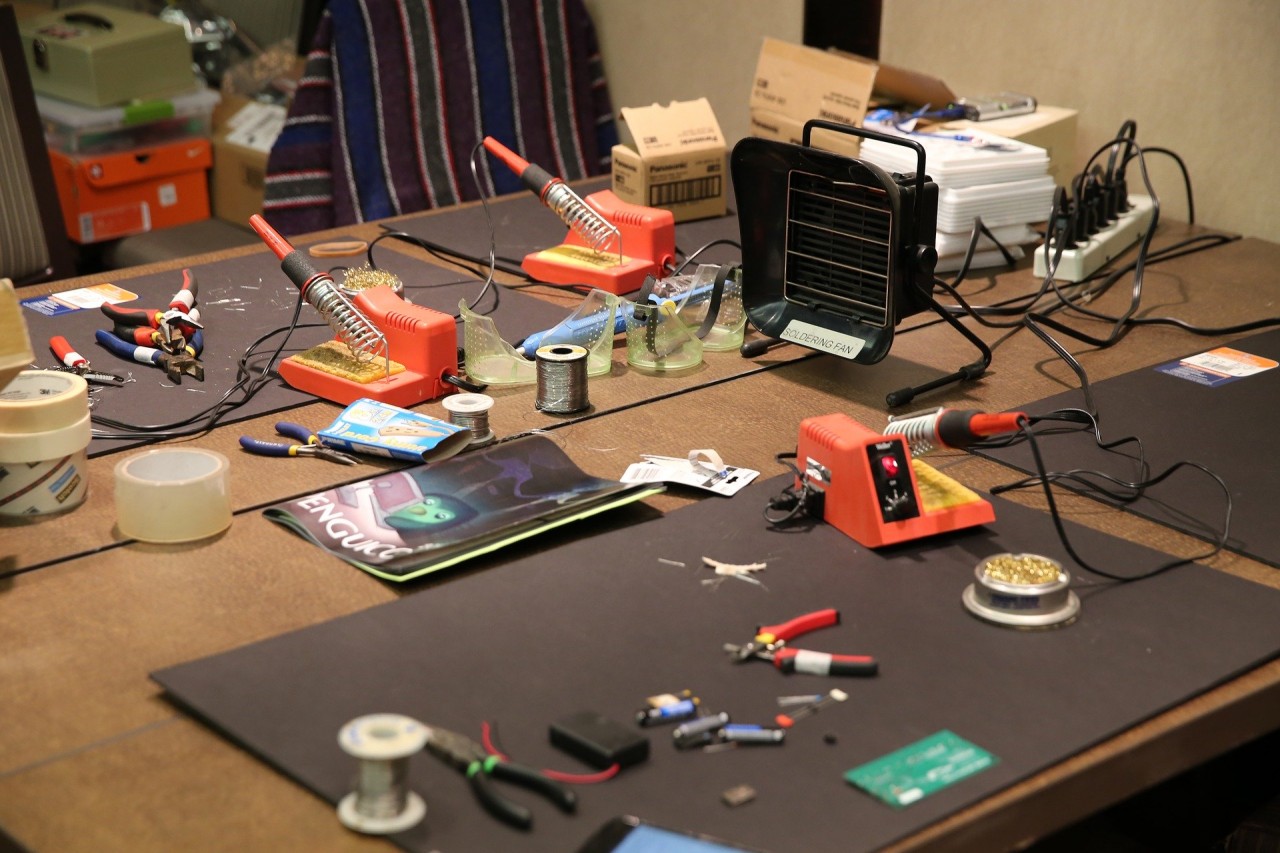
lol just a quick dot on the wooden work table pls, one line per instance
(92, 757)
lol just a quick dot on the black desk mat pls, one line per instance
(522, 224)
(602, 622)
(240, 299)
(1228, 428)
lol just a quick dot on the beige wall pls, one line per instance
(1198, 76)
(675, 50)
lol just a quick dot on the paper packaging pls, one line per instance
(240, 148)
(129, 192)
(794, 84)
(678, 163)
(380, 429)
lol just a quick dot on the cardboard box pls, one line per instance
(240, 149)
(678, 163)
(794, 84)
(1050, 128)
(106, 196)
(100, 55)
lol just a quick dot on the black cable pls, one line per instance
(979, 229)
(210, 416)
(1045, 479)
(486, 267)
(1076, 301)
(688, 259)
(507, 265)
(1186, 178)
(795, 499)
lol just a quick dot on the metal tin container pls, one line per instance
(1021, 591)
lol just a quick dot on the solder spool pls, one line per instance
(471, 411)
(562, 379)
(382, 802)
(1022, 591)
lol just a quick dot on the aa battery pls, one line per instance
(670, 713)
(700, 731)
(751, 734)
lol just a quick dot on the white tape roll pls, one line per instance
(173, 495)
(44, 433)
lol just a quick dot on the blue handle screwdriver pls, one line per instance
(582, 332)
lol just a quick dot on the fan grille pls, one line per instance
(839, 247)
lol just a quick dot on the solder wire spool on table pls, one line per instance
(562, 379)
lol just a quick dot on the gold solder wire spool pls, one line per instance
(1022, 591)
(471, 412)
(562, 378)
(382, 802)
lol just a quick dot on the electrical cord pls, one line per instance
(1137, 489)
(206, 419)
(690, 258)
(489, 740)
(1025, 308)
(979, 230)
(795, 500)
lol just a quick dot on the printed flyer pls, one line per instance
(409, 523)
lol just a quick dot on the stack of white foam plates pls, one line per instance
(1011, 203)
(951, 247)
(975, 159)
(1008, 235)
(979, 174)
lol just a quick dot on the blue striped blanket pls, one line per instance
(396, 94)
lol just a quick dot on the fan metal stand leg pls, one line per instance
(904, 396)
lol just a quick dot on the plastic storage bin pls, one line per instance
(75, 129)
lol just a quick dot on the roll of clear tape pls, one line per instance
(173, 495)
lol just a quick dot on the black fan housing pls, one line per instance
(835, 251)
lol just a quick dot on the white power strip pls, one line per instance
(1079, 263)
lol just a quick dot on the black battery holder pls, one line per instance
(599, 741)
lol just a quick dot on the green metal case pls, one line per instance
(99, 55)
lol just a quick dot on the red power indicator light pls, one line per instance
(890, 465)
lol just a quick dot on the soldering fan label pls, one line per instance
(1218, 366)
(816, 337)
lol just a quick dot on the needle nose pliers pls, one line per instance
(309, 445)
(463, 753)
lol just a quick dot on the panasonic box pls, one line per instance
(678, 163)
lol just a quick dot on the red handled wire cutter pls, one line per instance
(770, 644)
(175, 325)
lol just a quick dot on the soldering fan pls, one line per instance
(836, 251)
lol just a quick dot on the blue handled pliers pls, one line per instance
(175, 365)
(309, 445)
